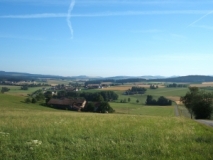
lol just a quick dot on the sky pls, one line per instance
(107, 37)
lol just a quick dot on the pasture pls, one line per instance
(16, 90)
(134, 131)
(30, 131)
(135, 109)
(204, 84)
(54, 82)
(126, 87)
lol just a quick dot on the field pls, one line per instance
(126, 87)
(56, 82)
(135, 131)
(204, 84)
(16, 90)
(135, 109)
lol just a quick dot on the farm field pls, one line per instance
(126, 87)
(56, 82)
(171, 93)
(134, 131)
(204, 84)
(16, 90)
(135, 109)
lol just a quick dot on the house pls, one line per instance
(93, 86)
(67, 104)
(73, 89)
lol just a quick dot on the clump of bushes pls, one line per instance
(162, 101)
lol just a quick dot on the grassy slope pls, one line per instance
(73, 135)
(16, 90)
(141, 109)
(137, 109)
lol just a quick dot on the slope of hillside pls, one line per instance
(30, 131)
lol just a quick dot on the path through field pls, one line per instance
(176, 110)
(206, 122)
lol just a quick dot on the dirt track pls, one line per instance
(176, 110)
(206, 122)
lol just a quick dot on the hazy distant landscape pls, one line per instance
(31, 128)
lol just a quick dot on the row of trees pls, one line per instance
(162, 101)
(175, 85)
(136, 90)
(36, 96)
(199, 103)
(100, 107)
(153, 86)
(107, 95)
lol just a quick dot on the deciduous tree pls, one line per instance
(198, 103)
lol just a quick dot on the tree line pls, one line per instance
(161, 101)
(89, 96)
(136, 90)
(175, 85)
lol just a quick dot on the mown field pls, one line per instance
(135, 131)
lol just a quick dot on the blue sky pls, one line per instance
(107, 37)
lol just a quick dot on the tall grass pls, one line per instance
(28, 131)
(66, 135)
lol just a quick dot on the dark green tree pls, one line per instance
(90, 107)
(198, 103)
(4, 89)
(34, 100)
(27, 100)
(24, 87)
(100, 98)
(104, 107)
(129, 99)
(48, 96)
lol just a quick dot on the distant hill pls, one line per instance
(190, 78)
(18, 76)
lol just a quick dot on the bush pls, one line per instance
(104, 107)
(27, 100)
(4, 89)
(90, 107)
(162, 101)
(34, 100)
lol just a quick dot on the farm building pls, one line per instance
(67, 104)
(93, 86)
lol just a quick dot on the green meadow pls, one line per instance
(16, 90)
(135, 131)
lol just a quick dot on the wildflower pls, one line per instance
(33, 143)
(4, 134)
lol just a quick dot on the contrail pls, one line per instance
(200, 19)
(72, 4)
(101, 14)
